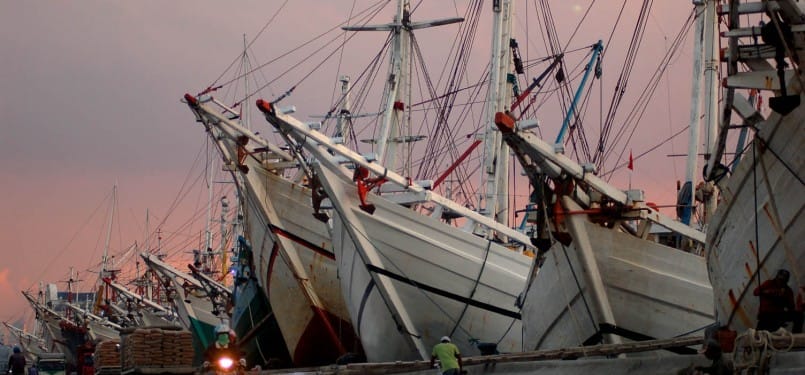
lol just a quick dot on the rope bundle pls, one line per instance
(754, 349)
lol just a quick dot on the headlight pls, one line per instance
(225, 363)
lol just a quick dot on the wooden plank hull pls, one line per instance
(399, 265)
(758, 227)
(655, 291)
(296, 267)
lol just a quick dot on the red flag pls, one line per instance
(631, 161)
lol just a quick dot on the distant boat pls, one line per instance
(30, 344)
(195, 310)
(64, 332)
(98, 328)
(52, 336)
(143, 311)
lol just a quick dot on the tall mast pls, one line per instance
(397, 92)
(208, 231)
(222, 246)
(105, 258)
(343, 114)
(39, 326)
(70, 281)
(496, 154)
(244, 113)
(147, 233)
(397, 86)
(695, 111)
(711, 96)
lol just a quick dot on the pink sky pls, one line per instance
(91, 99)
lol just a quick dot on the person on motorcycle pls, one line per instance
(223, 353)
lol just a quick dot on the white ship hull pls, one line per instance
(771, 235)
(294, 260)
(397, 264)
(655, 292)
(291, 245)
(600, 282)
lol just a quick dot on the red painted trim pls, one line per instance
(282, 232)
(322, 314)
(325, 339)
(271, 260)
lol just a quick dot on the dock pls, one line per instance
(787, 358)
(779, 352)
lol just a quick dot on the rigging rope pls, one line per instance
(442, 134)
(276, 13)
(581, 290)
(555, 48)
(768, 147)
(366, 16)
(623, 79)
(608, 174)
(637, 112)
(341, 54)
(474, 287)
(578, 24)
(55, 258)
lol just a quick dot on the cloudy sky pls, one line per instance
(89, 98)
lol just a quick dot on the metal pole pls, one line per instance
(597, 48)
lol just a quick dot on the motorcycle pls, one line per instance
(224, 364)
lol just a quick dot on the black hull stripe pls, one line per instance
(282, 232)
(365, 297)
(444, 293)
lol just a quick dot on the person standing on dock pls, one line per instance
(776, 302)
(16, 363)
(448, 355)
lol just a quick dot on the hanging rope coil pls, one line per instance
(754, 349)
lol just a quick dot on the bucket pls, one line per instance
(726, 338)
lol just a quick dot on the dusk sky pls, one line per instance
(90, 98)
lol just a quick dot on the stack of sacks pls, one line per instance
(156, 347)
(178, 348)
(107, 354)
